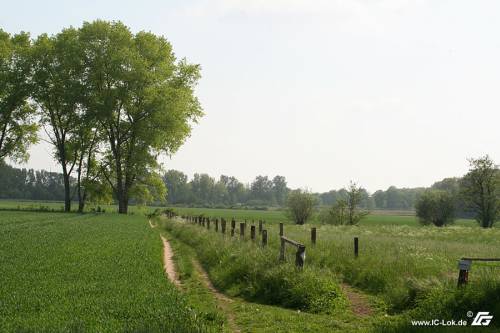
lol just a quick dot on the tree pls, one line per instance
(346, 210)
(202, 186)
(17, 128)
(58, 91)
(142, 97)
(261, 190)
(354, 198)
(280, 190)
(177, 186)
(300, 205)
(435, 207)
(480, 188)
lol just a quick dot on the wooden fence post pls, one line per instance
(242, 230)
(264, 238)
(260, 226)
(282, 249)
(300, 256)
(281, 229)
(356, 246)
(216, 225)
(223, 225)
(463, 273)
(313, 236)
(252, 232)
(208, 223)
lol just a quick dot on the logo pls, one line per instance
(482, 319)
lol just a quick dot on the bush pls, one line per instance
(435, 207)
(300, 206)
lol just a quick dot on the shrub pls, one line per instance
(435, 207)
(300, 206)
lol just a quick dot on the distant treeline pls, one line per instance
(262, 192)
(205, 191)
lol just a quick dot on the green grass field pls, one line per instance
(87, 273)
(68, 272)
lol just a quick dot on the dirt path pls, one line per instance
(359, 304)
(168, 263)
(222, 300)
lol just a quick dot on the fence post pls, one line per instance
(463, 273)
(282, 249)
(260, 226)
(208, 223)
(216, 225)
(313, 236)
(264, 238)
(281, 229)
(356, 246)
(223, 225)
(300, 256)
(252, 232)
(242, 230)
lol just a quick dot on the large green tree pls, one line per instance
(142, 97)
(17, 128)
(59, 92)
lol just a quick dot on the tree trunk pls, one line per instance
(123, 203)
(67, 194)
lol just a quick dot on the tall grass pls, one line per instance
(412, 269)
(246, 269)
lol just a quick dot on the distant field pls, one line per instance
(377, 217)
(86, 273)
(58, 206)
(277, 216)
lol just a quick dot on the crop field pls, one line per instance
(404, 271)
(87, 273)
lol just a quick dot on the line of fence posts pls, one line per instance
(464, 264)
(301, 249)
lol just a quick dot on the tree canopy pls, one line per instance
(18, 129)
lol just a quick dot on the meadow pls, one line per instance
(87, 273)
(407, 271)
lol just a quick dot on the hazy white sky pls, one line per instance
(383, 92)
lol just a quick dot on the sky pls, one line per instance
(381, 92)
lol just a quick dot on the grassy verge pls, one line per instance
(87, 273)
(254, 317)
(252, 272)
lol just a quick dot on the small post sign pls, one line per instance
(463, 273)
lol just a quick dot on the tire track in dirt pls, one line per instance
(359, 305)
(222, 300)
(168, 262)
